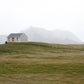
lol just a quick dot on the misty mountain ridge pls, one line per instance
(48, 36)
(3, 39)
(51, 36)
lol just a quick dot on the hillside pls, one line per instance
(41, 63)
(37, 47)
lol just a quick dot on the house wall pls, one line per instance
(22, 38)
(10, 40)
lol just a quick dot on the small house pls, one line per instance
(17, 37)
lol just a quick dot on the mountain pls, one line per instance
(54, 36)
(44, 35)
(2, 39)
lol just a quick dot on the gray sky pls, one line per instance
(17, 15)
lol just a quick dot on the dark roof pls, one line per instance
(15, 34)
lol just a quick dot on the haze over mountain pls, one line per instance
(2, 39)
(48, 36)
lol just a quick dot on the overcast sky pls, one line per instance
(17, 15)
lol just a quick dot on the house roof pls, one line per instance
(15, 34)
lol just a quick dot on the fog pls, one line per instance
(17, 15)
(37, 34)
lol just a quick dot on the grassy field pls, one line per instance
(41, 63)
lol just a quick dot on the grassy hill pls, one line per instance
(41, 63)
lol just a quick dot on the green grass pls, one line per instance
(38, 48)
(14, 67)
(41, 63)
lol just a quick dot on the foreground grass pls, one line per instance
(40, 63)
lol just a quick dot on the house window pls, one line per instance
(13, 39)
(8, 37)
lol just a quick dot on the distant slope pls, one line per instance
(55, 36)
(2, 39)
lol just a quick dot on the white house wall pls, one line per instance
(15, 40)
(22, 38)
